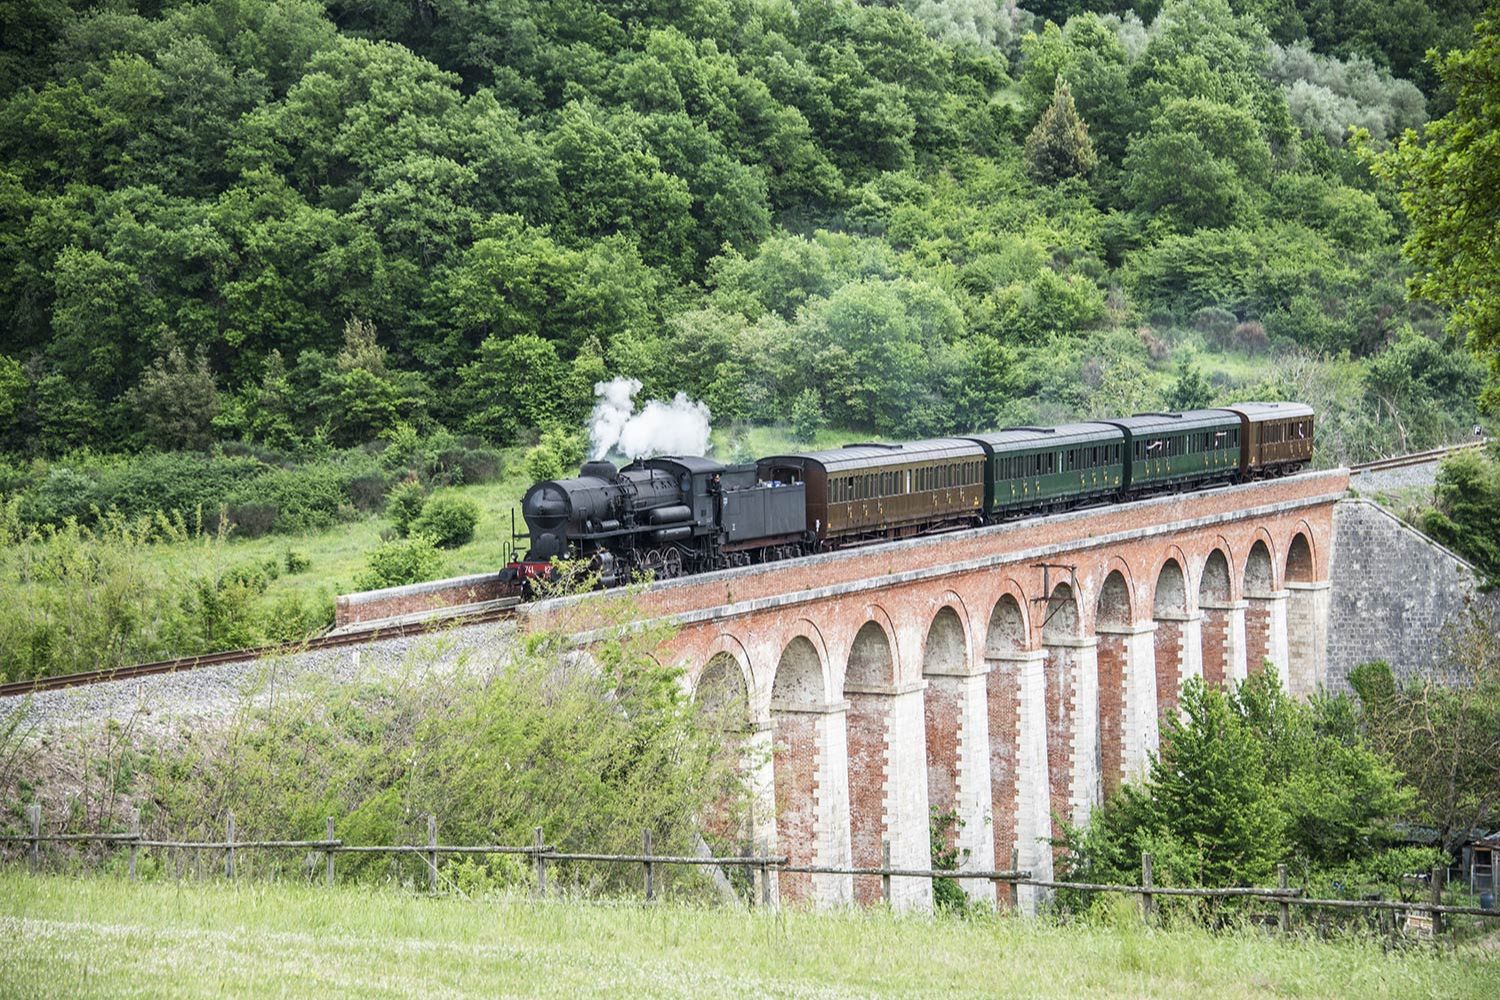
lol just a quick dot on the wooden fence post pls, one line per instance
(650, 868)
(885, 875)
(1148, 901)
(229, 854)
(135, 845)
(762, 849)
(34, 813)
(432, 852)
(1284, 919)
(328, 854)
(1438, 877)
(1015, 890)
(541, 863)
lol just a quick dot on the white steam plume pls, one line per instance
(676, 428)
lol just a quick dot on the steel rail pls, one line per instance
(1415, 458)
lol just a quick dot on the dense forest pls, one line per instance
(301, 225)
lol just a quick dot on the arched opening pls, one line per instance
(1214, 601)
(722, 701)
(1113, 627)
(798, 695)
(1072, 708)
(869, 682)
(1169, 608)
(1260, 607)
(945, 667)
(1304, 642)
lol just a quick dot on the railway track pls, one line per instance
(354, 637)
(358, 637)
(1415, 458)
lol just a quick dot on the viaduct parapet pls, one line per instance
(1008, 675)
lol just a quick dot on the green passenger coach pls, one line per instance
(1172, 451)
(1045, 468)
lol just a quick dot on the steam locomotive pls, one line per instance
(669, 516)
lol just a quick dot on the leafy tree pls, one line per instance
(1466, 516)
(448, 520)
(13, 387)
(1059, 146)
(1453, 163)
(404, 503)
(1443, 729)
(807, 416)
(360, 395)
(175, 401)
(512, 385)
(1190, 391)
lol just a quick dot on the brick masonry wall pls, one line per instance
(795, 762)
(392, 602)
(1004, 698)
(1257, 635)
(1168, 664)
(1215, 645)
(1112, 653)
(1061, 693)
(1394, 590)
(868, 721)
(942, 712)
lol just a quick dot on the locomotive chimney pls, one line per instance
(599, 470)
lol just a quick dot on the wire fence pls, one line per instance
(1425, 917)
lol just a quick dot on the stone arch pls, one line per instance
(1260, 568)
(1299, 560)
(1114, 622)
(1265, 609)
(1177, 642)
(1216, 602)
(1063, 619)
(946, 649)
(723, 690)
(1169, 595)
(799, 681)
(872, 658)
(1008, 628)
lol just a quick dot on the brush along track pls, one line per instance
(356, 637)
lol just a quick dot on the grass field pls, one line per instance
(99, 937)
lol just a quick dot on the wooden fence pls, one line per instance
(1428, 915)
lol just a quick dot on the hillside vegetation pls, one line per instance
(265, 265)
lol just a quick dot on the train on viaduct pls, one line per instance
(1012, 675)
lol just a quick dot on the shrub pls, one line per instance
(406, 560)
(175, 483)
(252, 520)
(367, 492)
(448, 520)
(296, 562)
(63, 494)
(308, 498)
(404, 503)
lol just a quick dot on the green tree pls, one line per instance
(175, 402)
(511, 385)
(1466, 515)
(1454, 163)
(1059, 146)
(1190, 390)
(361, 396)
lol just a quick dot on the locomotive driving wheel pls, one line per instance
(653, 562)
(671, 562)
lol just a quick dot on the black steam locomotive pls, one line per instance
(671, 516)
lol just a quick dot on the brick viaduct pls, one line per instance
(1012, 675)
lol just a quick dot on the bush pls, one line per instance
(63, 494)
(367, 492)
(403, 561)
(296, 562)
(309, 498)
(404, 503)
(252, 520)
(448, 520)
(174, 483)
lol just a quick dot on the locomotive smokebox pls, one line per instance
(599, 470)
